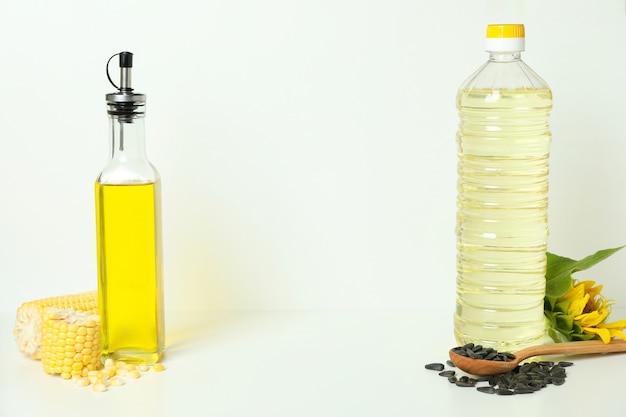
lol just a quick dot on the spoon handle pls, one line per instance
(573, 348)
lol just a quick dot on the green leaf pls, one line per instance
(583, 336)
(557, 336)
(558, 275)
(562, 306)
(559, 270)
(579, 334)
(564, 323)
(577, 329)
(549, 303)
(551, 316)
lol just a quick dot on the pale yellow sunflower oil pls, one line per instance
(502, 226)
(130, 271)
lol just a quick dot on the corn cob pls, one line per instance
(29, 318)
(70, 342)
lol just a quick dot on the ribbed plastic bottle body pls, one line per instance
(502, 226)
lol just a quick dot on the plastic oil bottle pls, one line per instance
(128, 230)
(502, 226)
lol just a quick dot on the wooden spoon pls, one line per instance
(483, 367)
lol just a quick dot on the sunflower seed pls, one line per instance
(557, 371)
(491, 355)
(524, 390)
(435, 366)
(502, 391)
(447, 373)
(486, 390)
(459, 350)
(472, 354)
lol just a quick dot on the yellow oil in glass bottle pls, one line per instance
(128, 232)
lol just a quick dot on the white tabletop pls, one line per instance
(300, 364)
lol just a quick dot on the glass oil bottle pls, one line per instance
(128, 231)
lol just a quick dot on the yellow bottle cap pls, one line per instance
(505, 31)
(505, 38)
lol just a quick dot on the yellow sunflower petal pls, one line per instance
(620, 324)
(577, 305)
(592, 318)
(575, 291)
(588, 285)
(580, 288)
(604, 334)
(597, 302)
(594, 291)
(619, 333)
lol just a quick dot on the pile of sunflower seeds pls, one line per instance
(524, 379)
(479, 352)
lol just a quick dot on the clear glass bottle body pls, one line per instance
(129, 247)
(502, 225)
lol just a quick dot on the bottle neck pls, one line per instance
(127, 138)
(497, 56)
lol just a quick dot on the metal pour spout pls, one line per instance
(124, 103)
(126, 65)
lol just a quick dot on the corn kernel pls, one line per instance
(82, 382)
(134, 374)
(98, 387)
(116, 381)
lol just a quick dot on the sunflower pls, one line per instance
(581, 314)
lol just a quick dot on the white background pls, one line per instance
(307, 148)
(308, 156)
